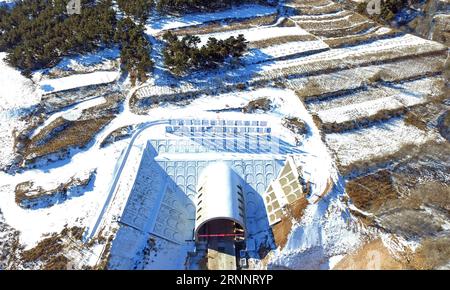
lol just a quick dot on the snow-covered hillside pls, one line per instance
(17, 98)
(105, 172)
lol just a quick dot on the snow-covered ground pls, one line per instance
(388, 46)
(78, 80)
(7, 3)
(245, 11)
(72, 212)
(375, 141)
(357, 77)
(98, 60)
(284, 50)
(369, 108)
(326, 230)
(325, 233)
(407, 93)
(257, 33)
(17, 95)
(72, 113)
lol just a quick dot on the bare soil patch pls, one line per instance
(62, 134)
(261, 104)
(371, 256)
(370, 192)
(30, 196)
(296, 125)
(293, 211)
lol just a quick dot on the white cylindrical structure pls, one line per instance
(219, 196)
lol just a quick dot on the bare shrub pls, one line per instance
(44, 250)
(296, 125)
(28, 195)
(263, 104)
(59, 262)
(370, 192)
(311, 88)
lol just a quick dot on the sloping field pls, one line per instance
(314, 7)
(321, 17)
(273, 42)
(367, 59)
(289, 54)
(336, 84)
(376, 141)
(369, 102)
(377, 52)
(367, 36)
(227, 25)
(368, 108)
(284, 50)
(281, 40)
(173, 22)
(257, 33)
(361, 88)
(338, 22)
(346, 68)
(343, 28)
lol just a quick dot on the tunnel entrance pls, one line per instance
(220, 229)
(223, 239)
(220, 217)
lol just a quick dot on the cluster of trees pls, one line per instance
(184, 54)
(135, 49)
(139, 9)
(389, 8)
(36, 33)
(185, 6)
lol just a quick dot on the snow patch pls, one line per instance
(77, 80)
(16, 97)
(171, 22)
(379, 140)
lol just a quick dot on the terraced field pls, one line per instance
(366, 102)
(357, 76)
(353, 98)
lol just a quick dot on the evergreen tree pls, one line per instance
(139, 9)
(182, 55)
(36, 33)
(186, 6)
(135, 48)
